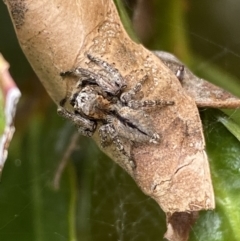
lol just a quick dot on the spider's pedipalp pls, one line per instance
(85, 126)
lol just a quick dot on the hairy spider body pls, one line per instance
(131, 124)
(100, 99)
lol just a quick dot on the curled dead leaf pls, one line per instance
(204, 93)
(56, 36)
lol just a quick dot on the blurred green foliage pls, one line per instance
(97, 200)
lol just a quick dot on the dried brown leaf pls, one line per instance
(179, 225)
(204, 93)
(56, 35)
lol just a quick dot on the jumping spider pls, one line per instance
(100, 99)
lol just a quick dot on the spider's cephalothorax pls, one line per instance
(100, 99)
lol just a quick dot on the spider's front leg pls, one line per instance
(81, 72)
(107, 85)
(111, 82)
(128, 98)
(116, 77)
(107, 135)
(136, 104)
(85, 126)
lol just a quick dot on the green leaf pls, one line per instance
(233, 127)
(224, 155)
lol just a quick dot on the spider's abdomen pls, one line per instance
(135, 125)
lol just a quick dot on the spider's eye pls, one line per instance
(83, 99)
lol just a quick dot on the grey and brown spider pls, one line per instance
(100, 99)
